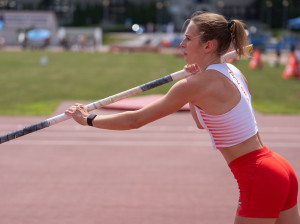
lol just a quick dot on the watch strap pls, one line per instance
(90, 119)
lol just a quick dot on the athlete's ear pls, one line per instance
(210, 46)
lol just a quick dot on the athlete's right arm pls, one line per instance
(179, 94)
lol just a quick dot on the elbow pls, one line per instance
(200, 127)
(135, 124)
(134, 121)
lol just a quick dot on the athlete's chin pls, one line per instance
(188, 61)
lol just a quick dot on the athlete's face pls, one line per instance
(191, 44)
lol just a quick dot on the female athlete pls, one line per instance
(220, 102)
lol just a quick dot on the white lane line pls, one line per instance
(94, 136)
(111, 143)
(143, 143)
(172, 128)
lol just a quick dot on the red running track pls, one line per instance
(163, 173)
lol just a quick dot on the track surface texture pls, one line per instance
(163, 173)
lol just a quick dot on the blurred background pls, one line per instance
(54, 53)
(91, 24)
(50, 44)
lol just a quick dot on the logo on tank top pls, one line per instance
(239, 84)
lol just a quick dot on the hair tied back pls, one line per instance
(229, 24)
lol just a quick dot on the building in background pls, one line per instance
(153, 15)
(16, 25)
(116, 11)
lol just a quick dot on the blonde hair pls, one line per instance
(214, 26)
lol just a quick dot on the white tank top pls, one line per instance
(238, 124)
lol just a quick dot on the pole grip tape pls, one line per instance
(155, 83)
(24, 131)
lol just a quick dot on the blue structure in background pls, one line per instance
(294, 24)
(38, 34)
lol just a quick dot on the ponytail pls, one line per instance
(214, 26)
(238, 36)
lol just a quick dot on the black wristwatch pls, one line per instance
(90, 119)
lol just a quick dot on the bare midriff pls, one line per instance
(233, 152)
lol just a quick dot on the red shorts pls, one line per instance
(267, 183)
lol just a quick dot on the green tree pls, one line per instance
(277, 12)
(78, 16)
(142, 13)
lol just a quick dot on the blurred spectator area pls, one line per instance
(148, 42)
(16, 23)
(267, 40)
(79, 38)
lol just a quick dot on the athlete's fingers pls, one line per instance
(71, 110)
(192, 68)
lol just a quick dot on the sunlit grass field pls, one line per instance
(29, 88)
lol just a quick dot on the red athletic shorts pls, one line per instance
(267, 183)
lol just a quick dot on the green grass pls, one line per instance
(28, 88)
(270, 93)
